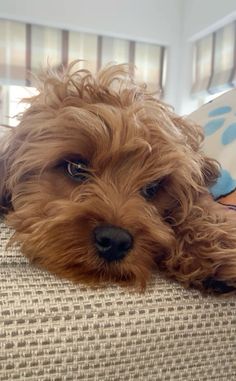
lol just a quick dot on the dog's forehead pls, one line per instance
(102, 134)
(102, 123)
(104, 129)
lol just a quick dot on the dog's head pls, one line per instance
(97, 174)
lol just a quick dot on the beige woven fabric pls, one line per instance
(52, 330)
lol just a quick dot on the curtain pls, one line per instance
(26, 48)
(46, 47)
(83, 46)
(148, 59)
(12, 52)
(114, 50)
(203, 64)
(223, 59)
(214, 61)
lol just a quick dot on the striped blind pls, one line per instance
(12, 52)
(25, 48)
(83, 46)
(214, 63)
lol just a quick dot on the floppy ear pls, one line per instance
(210, 168)
(5, 195)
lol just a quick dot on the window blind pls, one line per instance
(26, 48)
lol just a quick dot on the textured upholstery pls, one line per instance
(51, 329)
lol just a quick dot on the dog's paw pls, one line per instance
(217, 286)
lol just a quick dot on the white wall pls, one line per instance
(202, 16)
(155, 21)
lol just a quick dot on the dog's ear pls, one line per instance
(194, 135)
(5, 194)
(210, 170)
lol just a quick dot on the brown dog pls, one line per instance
(103, 182)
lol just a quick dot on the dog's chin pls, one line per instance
(119, 272)
(65, 248)
(80, 265)
(58, 237)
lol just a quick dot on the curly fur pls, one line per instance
(130, 139)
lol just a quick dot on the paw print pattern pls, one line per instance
(214, 125)
(218, 119)
(229, 134)
(225, 185)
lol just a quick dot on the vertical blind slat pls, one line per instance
(12, 52)
(223, 59)
(203, 64)
(46, 47)
(148, 63)
(114, 50)
(83, 46)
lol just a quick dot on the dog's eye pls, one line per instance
(77, 169)
(150, 190)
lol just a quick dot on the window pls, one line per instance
(12, 52)
(83, 46)
(26, 48)
(114, 50)
(11, 97)
(214, 63)
(149, 60)
(45, 47)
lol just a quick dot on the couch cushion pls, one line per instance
(51, 329)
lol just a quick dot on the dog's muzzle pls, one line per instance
(112, 243)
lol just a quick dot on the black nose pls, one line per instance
(112, 243)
